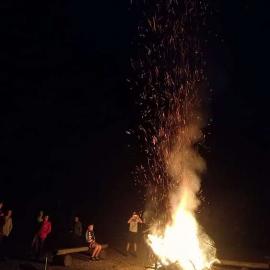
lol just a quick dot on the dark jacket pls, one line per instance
(77, 230)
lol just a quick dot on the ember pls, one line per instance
(172, 76)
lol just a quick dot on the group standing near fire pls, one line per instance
(43, 228)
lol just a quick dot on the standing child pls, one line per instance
(133, 231)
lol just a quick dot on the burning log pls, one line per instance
(222, 263)
(172, 266)
(243, 265)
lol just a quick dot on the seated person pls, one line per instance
(93, 245)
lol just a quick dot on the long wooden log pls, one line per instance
(252, 265)
(71, 250)
(74, 250)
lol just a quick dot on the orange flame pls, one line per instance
(184, 241)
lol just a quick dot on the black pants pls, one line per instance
(37, 245)
(4, 246)
(1, 246)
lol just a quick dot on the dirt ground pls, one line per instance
(114, 260)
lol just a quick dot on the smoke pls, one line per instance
(184, 166)
(182, 240)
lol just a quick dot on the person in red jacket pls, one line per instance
(45, 229)
(42, 234)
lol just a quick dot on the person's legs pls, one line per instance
(135, 241)
(91, 251)
(34, 241)
(135, 247)
(94, 254)
(1, 247)
(40, 246)
(35, 245)
(99, 250)
(128, 245)
(6, 247)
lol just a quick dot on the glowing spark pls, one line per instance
(170, 72)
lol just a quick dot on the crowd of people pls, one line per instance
(95, 248)
(43, 228)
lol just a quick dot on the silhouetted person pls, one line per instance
(133, 231)
(76, 231)
(1, 209)
(38, 223)
(77, 227)
(42, 235)
(7, 228)
(2, 219)
(8, 224)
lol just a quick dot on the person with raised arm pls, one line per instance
(133, 222)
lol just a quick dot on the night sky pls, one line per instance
(66, 106)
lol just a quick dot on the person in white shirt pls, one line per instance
(133, 231)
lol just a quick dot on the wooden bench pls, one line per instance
(63, 256)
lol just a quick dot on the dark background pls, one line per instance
(65, 107)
